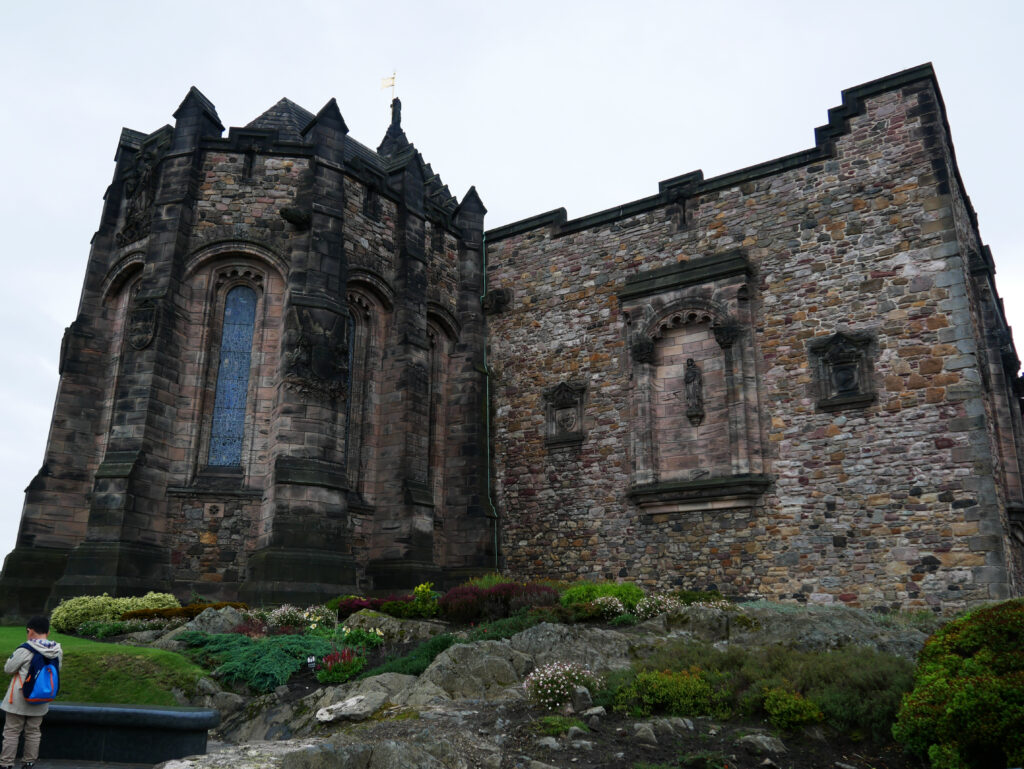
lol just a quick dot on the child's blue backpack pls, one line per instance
(43, 680)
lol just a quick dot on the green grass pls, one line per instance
(125, 675)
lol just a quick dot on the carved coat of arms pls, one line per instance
(142, 322)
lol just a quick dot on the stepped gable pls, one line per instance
(396, 151)
(286, 117)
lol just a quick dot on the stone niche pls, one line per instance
(696, 435)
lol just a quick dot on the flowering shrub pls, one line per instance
(339, 666)
(653, 605)
(551, 686)
(320, 620)
(605, 607)
(286, 615)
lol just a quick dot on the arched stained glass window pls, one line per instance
(233, 378)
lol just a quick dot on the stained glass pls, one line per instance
(228, 425)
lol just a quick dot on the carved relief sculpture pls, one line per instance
(565, 413)
(315, 352)
(142, 322)
(140, 191)
(693, 382)
(843, 371)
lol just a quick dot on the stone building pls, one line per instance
(297, 371)
(274, 385)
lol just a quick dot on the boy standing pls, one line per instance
(20, 714)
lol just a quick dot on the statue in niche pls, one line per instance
(693, 383)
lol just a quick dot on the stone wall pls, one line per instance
(855, 468)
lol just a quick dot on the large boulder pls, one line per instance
(821, 628)
(395, 630)
(481, 670)
(595, 648)
(222, 620)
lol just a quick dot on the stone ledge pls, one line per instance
(860, 400)
(705, 269)
(715, 493)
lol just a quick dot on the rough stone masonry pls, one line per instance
(301, 367)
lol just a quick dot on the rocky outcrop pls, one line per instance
(453, 710)
(395, 630)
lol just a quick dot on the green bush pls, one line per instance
(585, 592)
(261, 663)
(788, 710)
(416, 661)
(967, 706)
(72, 612)
(691, 692)
(858, 690)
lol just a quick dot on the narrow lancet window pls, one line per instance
(233, 378)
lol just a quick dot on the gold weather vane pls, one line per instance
(388, 82)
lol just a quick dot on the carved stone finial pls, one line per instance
(300, 219)
(496, 300)
(396, 112)
(726, 334)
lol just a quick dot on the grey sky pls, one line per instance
(582, 104)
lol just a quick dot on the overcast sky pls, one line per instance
(584, 104)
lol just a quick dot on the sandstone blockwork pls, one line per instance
(799, 380)
(301, 368)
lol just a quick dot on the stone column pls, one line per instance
(124, 551)
(304, 541)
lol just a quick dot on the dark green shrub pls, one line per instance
(967, 706)
(400, 609)
(416, 661)
(623, 620)
(858, 690)
(261, 663)
(502, 628)
(584, 592)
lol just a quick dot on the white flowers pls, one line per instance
(653, 605)
(551, 686)
(608, 606)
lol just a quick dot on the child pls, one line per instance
(22, 715)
